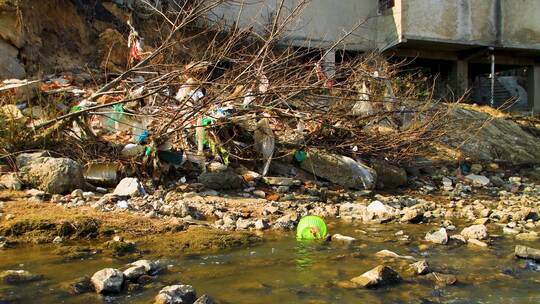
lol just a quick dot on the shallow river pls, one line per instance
(283, 270)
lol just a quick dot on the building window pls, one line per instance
(385, 4)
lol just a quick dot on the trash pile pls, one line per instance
(211, 106)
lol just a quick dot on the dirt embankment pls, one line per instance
(41, 222)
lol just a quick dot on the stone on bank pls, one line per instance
(341, 170)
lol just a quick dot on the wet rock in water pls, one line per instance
(389, 176)
(149, 266)
(438, 237)
(18, 276)
(176, 294)
(343, 239)
(52, 175)
(10, 181)
(81, 285)
(129, 186)
(477, 243)
(390, 254)
(477, 180)
(508, 230)
(145, 279)
(478, 232)
(378, 276)
(525, 252)
(108, 280)
(442, 279)
(458, 237)
(528, 236)
(341, 170)
(204, 299)
(134, 272)
(224, 180)
(412, 215)
(420, 267)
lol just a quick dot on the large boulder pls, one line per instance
(176, 294)
(224, 180)
(129, 186)
(525, 252)
(53, 175)
(108, 280)
(389, 176)
(339, 169)
(488, 136)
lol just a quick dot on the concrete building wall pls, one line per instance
(320, 24)
(389, 26)
(457, 21)
(521, 23)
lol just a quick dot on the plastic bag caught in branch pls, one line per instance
(189, 90)
(265, 143)
(135, 45)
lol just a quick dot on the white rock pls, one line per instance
(134, 272)
(390, 254)
(129, 186)
(343, 238)
(108, 280)
(438, 237)
(478, 180)
(149, 266)
(378, 210)
(122, 204)
(476, 242)
(420, 267)
(478, 232)
(176, 294)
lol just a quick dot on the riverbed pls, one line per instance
(283, 270)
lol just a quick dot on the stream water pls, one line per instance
(283, 270)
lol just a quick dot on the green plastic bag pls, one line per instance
(311, 228)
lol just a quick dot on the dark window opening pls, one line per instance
(385, 4)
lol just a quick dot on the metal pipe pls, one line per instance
(492, 103)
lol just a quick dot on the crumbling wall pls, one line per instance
(53, 35)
